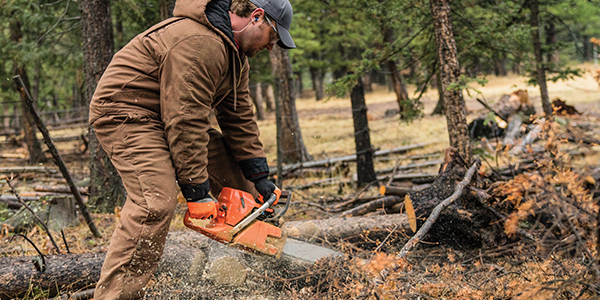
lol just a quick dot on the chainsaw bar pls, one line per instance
(307, 251)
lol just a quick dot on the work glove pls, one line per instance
(203, 208)
(265, 188)
(200, 204)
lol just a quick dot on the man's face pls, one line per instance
(262, 36)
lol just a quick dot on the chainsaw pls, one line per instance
(243, 222)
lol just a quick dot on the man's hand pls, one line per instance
(265, 188)
(203, 209)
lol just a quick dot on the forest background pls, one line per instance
(385, 48)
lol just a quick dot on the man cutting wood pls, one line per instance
(150, 113)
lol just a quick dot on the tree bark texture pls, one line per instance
(268, 96)
(439, 107)
(539, 58)
(362, 138)
(293, 145)
(36, 155)
(106, 189)
(396, 78)
(449, 72)
(317, 80)
(166, 8)
(257, 98)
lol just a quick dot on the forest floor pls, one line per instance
(432, 271)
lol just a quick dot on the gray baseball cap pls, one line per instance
(281, 11)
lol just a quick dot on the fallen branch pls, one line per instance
(56, 156)
(438, 209)
(10, 170)
(37, 218)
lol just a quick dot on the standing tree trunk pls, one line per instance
(449, 73)
(268, 96)
(256, 95)
(106, 190)
(539, 59)
(439, 108)
(364, 151)
(552, 55)
(294, 150)
(317, 79)
(166, 8)
(396, 78)
(36, 155)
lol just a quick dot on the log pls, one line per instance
(349, 158)
(393, 191)
(72, 272)
(34, 169)
(59, 189)
(383, 203)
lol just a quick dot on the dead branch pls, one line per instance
(438, 209)
(37, 218)
(56, 156)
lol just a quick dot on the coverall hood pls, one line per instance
(213, 13)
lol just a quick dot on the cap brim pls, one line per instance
(285, 39)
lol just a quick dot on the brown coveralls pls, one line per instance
(151, 112)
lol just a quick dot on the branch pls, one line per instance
(55, 24)
(438, 209)
(37, 218)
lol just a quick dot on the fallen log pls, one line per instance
(34, 169)
(59, 189)
(349, 158)
(411, 166)
(383, 203)
(393, 191)
(72, 272)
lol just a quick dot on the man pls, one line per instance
(150, 113)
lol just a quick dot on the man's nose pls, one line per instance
(270, 46)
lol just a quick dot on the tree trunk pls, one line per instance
(449, 73)
(396, 78)
(317, 79)
(364, 151)
(367, 83)
(268, 96)
(537, 47)
(293, 146)
(106, 189)
(439, 108)
(36, 155)
(166, 8)
(256, 95)
(552, 55)
(299, 84)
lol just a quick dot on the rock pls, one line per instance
(227, 270)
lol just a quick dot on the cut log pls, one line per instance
(77, 271)
(383, 203)
(393, 191)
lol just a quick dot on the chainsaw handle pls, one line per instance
(277, 193)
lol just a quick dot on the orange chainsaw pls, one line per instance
(244, 223)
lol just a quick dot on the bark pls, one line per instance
(384, 203)
(36, 155)
(397, 80)
(552, 55)
(539, 59)
(298, 84)
(72, 272)
(362, 138)
(106, 189)
(268, 96)
(292, 143)
(256, 94)
(500, 66)
(166, 9)
(317, 79)
(449, 73)
(368, 85)
(439, 107)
